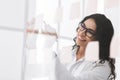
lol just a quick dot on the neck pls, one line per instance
(80, 53)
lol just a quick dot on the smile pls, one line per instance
(81, 39)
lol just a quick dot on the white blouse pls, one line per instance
(82, 70)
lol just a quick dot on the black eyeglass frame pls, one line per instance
(88, 32)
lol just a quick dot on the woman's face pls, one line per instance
(86, 32)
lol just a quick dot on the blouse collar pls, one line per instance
(74, 51)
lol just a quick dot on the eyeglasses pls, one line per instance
(88, 32)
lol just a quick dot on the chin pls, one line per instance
(81, 44)
(78, 43)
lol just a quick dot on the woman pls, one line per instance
(95, 27)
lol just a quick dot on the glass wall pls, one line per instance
(12, 39)
(62, 17)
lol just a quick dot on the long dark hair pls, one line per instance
(104, 34)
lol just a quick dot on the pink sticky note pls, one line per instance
(92, 51)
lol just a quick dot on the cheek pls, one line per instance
(88, 40)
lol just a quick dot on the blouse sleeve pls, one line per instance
(99, 72)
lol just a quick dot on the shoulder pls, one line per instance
(97, 66)
(100, 70)
(102, 67)
(102, 63)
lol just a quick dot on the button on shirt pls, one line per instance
(82, 70)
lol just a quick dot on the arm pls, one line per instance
(32, 31)
(42, 32)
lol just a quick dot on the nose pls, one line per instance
(82, 33)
